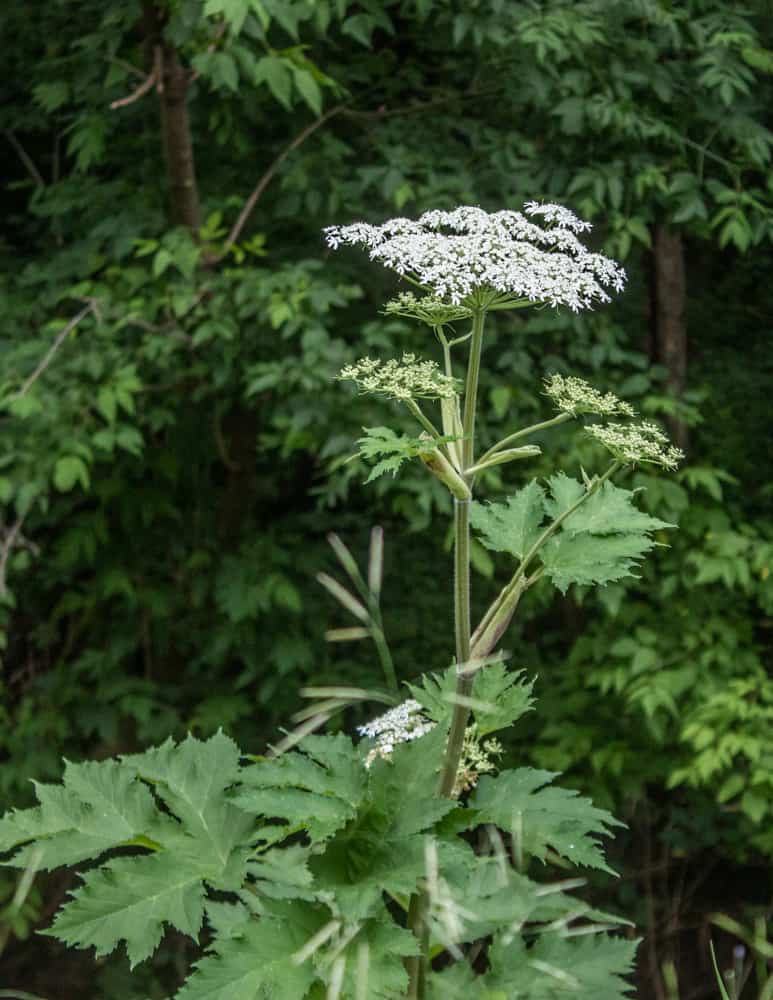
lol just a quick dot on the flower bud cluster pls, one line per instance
(454, 254)
(399, 725)
(574, 395)
(476, 760)
(427, 309)
(637, 443)
(404, 379)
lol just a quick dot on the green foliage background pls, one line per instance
(168, 480)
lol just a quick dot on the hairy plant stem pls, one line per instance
(417, 909)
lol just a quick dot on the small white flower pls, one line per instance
(574, 395)
(455, 254)
(637, 443)
(404, 379)
(399, 725)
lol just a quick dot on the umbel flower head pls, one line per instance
(504, 256)
(404, 379)
(574, 395)
(637, 443)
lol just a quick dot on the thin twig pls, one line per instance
(49, 355)
(25, 158)
(154, 77)
(268, 176)
(9, 542)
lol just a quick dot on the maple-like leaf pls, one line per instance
(390, 449)
(556, 967)
(505, 695)
(130, 900)
(603, 540)
(254, 963)
(512, 526)
(98, 806)
(316, 788)
(540, 816)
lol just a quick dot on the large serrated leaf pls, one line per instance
(593, 559)
(193, 778)
(512, 526)
(130, 900)
(316, 788)
(556, 967)
(505, 695)
(542, 817)
(611, 511)
(255, 964)
(375, 969)
(98, 806)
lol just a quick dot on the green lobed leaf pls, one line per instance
(283, 873)
(392, 449)
(591, 559)
(505, 693)
(316, 788)
(256, 963)
(98, 806)
(130, 900)
(610, 511)
(542, 817)
(512, 526)
(555, 967)
(375, 969)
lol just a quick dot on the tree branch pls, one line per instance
(49, 355)
(8, 544)
(268, 176)
(154, 77)
(25, 158)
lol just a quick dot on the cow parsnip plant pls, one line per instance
(409, 862)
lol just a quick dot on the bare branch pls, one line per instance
(154, 77)
(268, 176)
(25, 158)
(7, 546)
(49, 355)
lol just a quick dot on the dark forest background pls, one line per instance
(174, 445)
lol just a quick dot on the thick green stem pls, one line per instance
(417, 908)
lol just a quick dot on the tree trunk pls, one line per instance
(172, 86)
(669, 293)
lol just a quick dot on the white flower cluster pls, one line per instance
(456, 253)
(634, 443)
(404, 379)
(399, 725)
(428, 309)
(574, 395)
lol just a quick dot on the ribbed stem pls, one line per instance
(417, 967)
